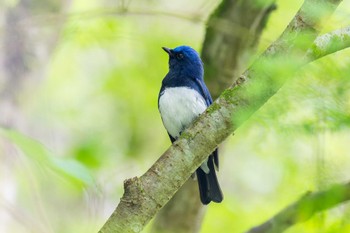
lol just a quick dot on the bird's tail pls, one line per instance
(209, 188)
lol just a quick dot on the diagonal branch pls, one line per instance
(304, 209)
(144, 196)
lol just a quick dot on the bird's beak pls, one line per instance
(169, 51)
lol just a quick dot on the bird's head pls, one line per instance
(184, 59)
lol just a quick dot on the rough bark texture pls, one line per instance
(304, 209)
(145, 195)
(233, 31)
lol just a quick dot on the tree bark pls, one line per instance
(144, 196)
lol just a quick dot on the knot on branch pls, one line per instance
(240, 80)
(133, 191)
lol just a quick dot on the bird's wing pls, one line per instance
(204, 91)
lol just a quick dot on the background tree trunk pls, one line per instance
(232, 35)
(24, 46)
(183, 213)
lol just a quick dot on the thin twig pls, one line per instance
(304, 208)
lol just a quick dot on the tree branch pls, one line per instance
(144, 196)
(304, 209)
(330, 43)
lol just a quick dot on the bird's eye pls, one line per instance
(179, 56)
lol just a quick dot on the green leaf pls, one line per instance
(71, 169)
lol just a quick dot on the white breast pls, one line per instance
(178, 107)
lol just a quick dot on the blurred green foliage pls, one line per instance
(97, 108)
(39, 153)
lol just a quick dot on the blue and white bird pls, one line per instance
(182, 98)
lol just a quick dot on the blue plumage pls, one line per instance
(182, 98)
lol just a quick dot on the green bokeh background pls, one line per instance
(99, 123)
